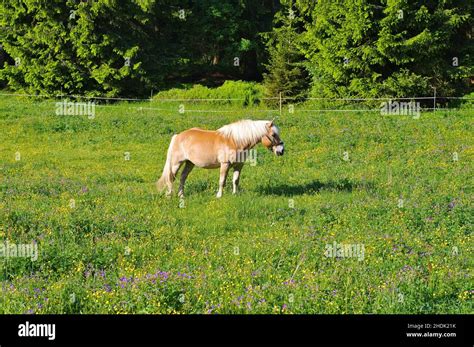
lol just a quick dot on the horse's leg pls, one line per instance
(236, 177)
(184, 174)
(174, 170)
(224, 170)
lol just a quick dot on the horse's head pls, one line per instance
(272, 139)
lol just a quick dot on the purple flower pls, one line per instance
(164, 275)
(37, 292)
(284, 307)
(108, 289)
(123, 281)
(184, 275)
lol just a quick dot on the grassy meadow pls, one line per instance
(83, 190)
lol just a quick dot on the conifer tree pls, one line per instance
(286, 71)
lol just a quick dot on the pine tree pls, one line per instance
(127, 48)
(286, 71)
(371, 48)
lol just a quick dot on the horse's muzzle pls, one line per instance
(279, 150)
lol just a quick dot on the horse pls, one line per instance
(224, 148)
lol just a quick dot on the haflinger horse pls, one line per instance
(223, 148)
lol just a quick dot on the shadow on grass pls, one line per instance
(315, 186)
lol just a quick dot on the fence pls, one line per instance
(281, 101)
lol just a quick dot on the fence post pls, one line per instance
(280, 104)
(151, 95)
(434, 99)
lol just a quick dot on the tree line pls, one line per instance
(327, 48)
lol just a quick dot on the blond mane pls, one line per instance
(245, 133)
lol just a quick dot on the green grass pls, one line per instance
(125, 249)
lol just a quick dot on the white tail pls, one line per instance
(166, 179)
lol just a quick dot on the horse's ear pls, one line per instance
(270, 124)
